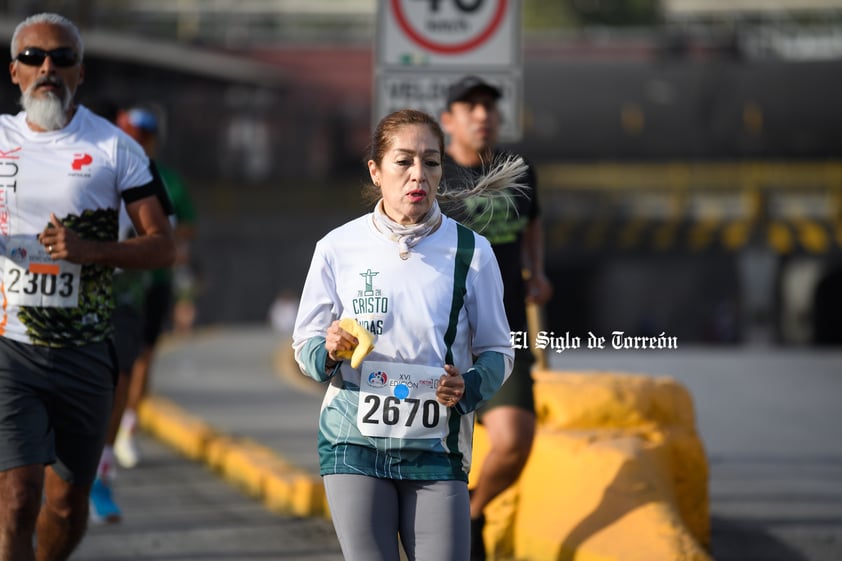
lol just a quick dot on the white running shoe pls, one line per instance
(125, 449)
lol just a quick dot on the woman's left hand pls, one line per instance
(451, 386)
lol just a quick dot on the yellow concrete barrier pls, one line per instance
(617, 473)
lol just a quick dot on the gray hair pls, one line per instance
(51, 19)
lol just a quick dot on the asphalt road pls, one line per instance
(178, 510)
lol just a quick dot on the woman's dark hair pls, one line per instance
(392, 123)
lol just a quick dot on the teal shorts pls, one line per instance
(54, 406)
(517, 391)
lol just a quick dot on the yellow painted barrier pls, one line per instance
(617, 473)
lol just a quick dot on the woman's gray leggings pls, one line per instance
(431, 517)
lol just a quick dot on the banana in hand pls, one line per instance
(365, 338)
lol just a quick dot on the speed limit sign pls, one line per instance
(424, 45)
(449, 32)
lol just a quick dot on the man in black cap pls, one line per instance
(472, 121)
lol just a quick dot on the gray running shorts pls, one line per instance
(54, 406)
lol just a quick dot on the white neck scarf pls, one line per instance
(406, 236)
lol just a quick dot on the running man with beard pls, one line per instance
(65, 173)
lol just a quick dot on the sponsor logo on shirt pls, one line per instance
(80, 161)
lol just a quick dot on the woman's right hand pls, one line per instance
(338, 340)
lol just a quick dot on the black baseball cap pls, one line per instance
(459, 91)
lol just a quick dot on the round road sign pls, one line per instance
(449, 27)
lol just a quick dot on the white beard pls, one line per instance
(48, 112)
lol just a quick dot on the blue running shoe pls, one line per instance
(103, 508)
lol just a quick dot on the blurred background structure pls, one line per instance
(688, 151)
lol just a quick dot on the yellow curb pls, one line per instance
(247, 468)
(217, 451)
(255, 469)
(188, 434)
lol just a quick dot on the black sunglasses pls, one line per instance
(62, 57)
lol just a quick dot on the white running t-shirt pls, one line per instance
(78, 173)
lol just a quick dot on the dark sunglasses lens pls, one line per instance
(32, 57)
(62, 57)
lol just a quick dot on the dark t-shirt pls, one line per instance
(503, 223)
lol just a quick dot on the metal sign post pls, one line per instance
(425, 45)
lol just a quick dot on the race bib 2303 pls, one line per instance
(32, 278)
